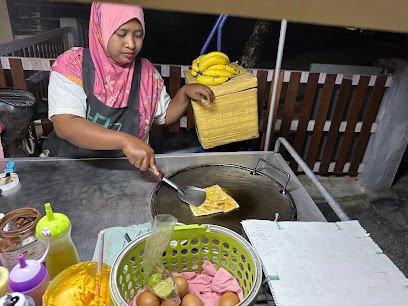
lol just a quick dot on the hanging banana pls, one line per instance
(225, 67)
(213, 68)
(218, 72)
(210, 61)
(210, 54)
(210, 80)
(194, 66)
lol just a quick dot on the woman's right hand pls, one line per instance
(86, 134)
(140, 154)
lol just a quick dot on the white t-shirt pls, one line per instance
(67, 97)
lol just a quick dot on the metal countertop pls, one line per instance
(100, 193)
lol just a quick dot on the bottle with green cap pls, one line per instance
(62, 253)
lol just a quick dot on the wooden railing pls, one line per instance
(328, 118)
(45, 45)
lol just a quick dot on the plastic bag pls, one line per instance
(157, 278)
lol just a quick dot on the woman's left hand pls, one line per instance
(199, 92)
(179, 103)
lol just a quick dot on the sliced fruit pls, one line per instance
(164, 288)
(154, 279)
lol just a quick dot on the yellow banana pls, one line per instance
(225, 67)
(200, 58)
(194, 73)
(218, 72)
(210, 80)
(210, 61)
(214, 53)
(194, 65)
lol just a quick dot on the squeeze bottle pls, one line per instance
(29, 277)
(62, 253)
(16, 299)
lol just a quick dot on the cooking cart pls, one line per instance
(102, 193)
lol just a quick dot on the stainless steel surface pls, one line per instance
(101, 193)
(189, 194)
(257, 194)
(330, 200)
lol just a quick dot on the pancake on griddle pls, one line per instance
(217, 201)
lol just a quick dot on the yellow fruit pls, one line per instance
(226, 67)
(200, 58)
(164, 288)
(218, 72)
(210, 80)
(214, 53)
(154, 279)
(211, 61)
(194, 65)
(194, 73)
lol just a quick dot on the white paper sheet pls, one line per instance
(325, 263)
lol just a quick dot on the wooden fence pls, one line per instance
(45, 45)
(328, 118)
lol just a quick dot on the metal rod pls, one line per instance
(275, 81)
(326, 195)
(219, 32)
(210, 36)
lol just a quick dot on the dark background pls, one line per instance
(177, 38)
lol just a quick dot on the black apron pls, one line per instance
(124, 119)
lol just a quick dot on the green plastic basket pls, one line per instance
(190, 245)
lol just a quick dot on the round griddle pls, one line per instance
(258, 196)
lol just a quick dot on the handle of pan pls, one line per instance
(283, 191)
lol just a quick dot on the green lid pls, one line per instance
(57, 223)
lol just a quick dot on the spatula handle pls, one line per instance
(160, 176)
(171, 184)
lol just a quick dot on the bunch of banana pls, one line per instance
(213, 68)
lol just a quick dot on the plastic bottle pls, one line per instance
(18, 235)
(16, 299)
(62, 253)
(29, 277)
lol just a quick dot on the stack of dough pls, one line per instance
(217, 201)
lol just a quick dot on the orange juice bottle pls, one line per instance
(62, 253)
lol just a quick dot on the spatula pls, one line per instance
(188, 194)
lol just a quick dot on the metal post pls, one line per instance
(275, 81)
(326, 195)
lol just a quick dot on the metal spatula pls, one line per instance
(189, 194)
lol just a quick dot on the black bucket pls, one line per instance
(16, 113)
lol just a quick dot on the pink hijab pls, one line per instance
(113, 81)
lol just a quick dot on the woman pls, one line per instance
(103, 100)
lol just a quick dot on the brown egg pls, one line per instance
(169, 303)
(191, 300)
(229, 299)
(182, 286)
(147, 298)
